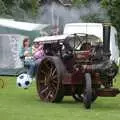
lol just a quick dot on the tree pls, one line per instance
(113, 7)
(2, 7)
(24, 10)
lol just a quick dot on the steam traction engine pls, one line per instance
(76, 65)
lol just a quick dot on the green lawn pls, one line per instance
(19, 104)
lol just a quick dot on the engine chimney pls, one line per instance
(106, 38)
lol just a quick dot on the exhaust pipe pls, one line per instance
(106, 38)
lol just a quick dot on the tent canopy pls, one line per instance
(12, 34)
(21, 25)
(9, 26)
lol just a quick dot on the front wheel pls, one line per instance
(49, 80)
(87, 95)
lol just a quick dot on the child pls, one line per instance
(38, 55)
(37, 50)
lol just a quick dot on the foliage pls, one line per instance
(93, 10)
(2, 7)
(92, 18)
(113, 7)
(24, 10)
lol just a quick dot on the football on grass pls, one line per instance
(24, 81)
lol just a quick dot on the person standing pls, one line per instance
(26, 57)
(26, 50)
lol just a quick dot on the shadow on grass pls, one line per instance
(106, 104)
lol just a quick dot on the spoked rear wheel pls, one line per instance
(87, 95)
(49, 80)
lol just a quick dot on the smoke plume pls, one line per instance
(57, 14)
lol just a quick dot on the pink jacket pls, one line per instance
(39, 52)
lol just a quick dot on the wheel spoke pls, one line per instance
(55, 81)
(54, 72)
(50, 73)
(54, 77)
(43, 72)
(48, 95)
(45, 83)
(46, 66)
(53, 87)
(41, 81)
(44, 90)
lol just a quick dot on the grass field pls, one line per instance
(19, 104)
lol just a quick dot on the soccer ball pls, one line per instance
(24, 81)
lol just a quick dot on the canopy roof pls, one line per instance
(56, 38)
(49, 39)
(9, 26)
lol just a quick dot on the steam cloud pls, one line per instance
(54, 14)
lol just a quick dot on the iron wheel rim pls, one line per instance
(49, 81)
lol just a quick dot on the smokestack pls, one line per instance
(106, 38)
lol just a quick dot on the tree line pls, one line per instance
(26, 10)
